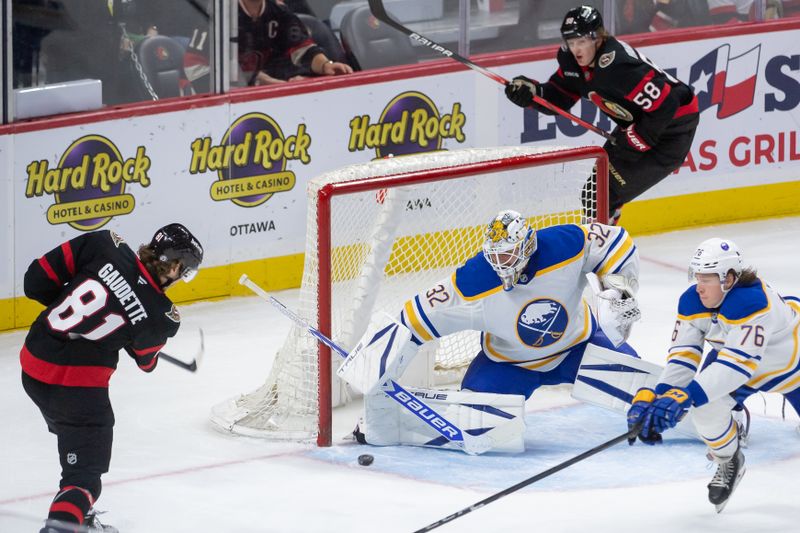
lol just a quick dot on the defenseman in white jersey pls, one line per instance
(524, 292)
(754, 334)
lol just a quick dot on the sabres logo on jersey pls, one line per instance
(610, 108)
(542, 322)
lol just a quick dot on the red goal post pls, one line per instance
(378, 233)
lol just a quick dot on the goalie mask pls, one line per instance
(716, 256)
(174, 241)
(509, 244)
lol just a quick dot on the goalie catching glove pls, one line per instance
(616, 305)
(382, 354)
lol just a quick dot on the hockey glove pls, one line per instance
(521, 90)
(640, 412)
(670, 408)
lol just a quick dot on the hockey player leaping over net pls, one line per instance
(524, 292)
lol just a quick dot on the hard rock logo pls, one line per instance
(88, 183)
(409, 124)
(251, 159)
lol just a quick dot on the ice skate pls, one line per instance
(725, 480)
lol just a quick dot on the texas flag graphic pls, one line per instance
(725, 81)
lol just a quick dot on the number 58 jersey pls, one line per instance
(99, 299)
(536, 323)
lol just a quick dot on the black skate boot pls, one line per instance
(725, 480)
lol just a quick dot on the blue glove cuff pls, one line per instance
(697, 394)
(661, 388)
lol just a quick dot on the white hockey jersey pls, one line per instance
(756, 334)
(534, 324)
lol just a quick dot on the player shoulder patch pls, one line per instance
(606, 59)
(116, 239)
(173, 314)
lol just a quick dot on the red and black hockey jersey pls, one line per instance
(275, 34)
(99, 299)
(626, 86)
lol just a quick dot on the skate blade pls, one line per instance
(720, 506)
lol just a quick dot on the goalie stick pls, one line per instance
(631, 433)
(379, 12)
(192, 366)
(473, 445)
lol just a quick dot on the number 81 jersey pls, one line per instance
(535, 324)
(99, 299)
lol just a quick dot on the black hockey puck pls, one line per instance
(365, 460)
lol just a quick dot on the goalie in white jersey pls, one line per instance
(754, 334)
(524, 292)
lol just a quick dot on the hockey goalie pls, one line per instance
(524, 292)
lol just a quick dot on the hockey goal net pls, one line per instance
(378, 233)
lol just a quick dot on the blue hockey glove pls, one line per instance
(640, 412)
(670, 408)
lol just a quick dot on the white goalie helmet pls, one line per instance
(508, 245)
(716, 256)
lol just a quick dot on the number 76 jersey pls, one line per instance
(99, 299)
(754, 336)
(535, 324)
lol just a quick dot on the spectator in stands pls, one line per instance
(297, 6)
(735, 11)
(639, 16)
(270, 32)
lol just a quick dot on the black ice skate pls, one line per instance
(725, 480)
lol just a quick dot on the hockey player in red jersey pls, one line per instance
(656, 114)
(100, 297)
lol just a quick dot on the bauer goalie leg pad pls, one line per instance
(610, 379)
(383, 353)
(500, 418)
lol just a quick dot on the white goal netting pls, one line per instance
(378, 233)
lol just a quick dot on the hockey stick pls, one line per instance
(473, 445)
(191, 367)
(631, 433)
(376, 6)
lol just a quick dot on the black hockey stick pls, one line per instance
(379, 12)
(631, 433)
(192, 366)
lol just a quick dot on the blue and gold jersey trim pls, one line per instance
(476, 279)
(743, 304)
(415, 319)
(557, 247)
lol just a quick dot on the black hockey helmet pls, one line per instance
(580, 21)
(174, 241)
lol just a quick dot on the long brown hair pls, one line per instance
(748, 276)
(154, 265)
